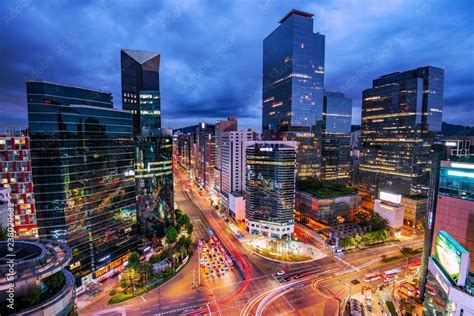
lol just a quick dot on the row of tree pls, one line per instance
(370, 238)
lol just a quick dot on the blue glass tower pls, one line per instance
(293, 82)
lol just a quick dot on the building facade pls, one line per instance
(293, 83)
(82, 158)
(401, 115)
(232, 160)
(16, 175)
(140, 72)
(222, 126)
(336, 137)
(205, 155)
(270, 188)
(455, 203)
(153, 146)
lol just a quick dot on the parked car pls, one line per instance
(282, 272)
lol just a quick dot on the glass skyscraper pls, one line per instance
(293, 82)
(401, 115)
(270, 188)
(140, 72)
(336, 137)
(153, 148)
(82, 160)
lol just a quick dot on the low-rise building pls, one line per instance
(39, 265)
(331, 204)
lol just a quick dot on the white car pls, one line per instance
(282, 272)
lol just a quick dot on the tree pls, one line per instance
(171, 235)
(133, 260)
(33, 295)
(130, 278)
(189, 228)
(347, 242)
(3, 234)
(55, 282)
(182, 219)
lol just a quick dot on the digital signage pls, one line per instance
(390, 197)
(452, 257)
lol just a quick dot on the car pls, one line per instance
(282, 272)
(355, 281)
(297, 276)
(286, 279)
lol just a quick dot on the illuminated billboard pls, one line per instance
(452, 257)
(390, 197)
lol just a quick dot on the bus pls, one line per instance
(391, 273)
(415, 264)
(409, 290)
(372, 277)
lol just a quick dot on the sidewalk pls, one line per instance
(83, 300)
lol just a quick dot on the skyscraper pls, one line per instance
(232, 150)
(17, 176)
(401, 115)
(206, 155)
(293, 83)
(140, 72)
(336, 137)
(270, 188)
(222, 126)
(153, 147)
(82, 159)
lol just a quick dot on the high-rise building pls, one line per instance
(293, 83)
(82, 158)
(153, 146)
(16, 175)
(401, 115)
(206, 155)
(336, 137)
(270, 188)
(154, 179)
(5, 203)
(222, 126)
(140, 72)
(232, 160)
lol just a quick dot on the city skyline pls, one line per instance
(197, 79)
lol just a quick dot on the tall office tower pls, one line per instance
(233, 169)
(82, 158)
(16, 175)
(221, 127)
(153, 147)
(293, 83)
(401, 115)
(140, 72)
(336, 137)
(270, 188)
(206, 155)
(184, 145)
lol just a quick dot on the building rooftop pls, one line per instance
(298, 12)
(323, 190)
(140, 56)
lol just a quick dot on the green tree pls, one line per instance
(55, 282)
(33, 295)
(133, 260)
(171, 235)
(182, 219)
(189, 228)
(3, 234)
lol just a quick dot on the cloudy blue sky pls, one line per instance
(212, 50)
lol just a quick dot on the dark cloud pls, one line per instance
(212, 50)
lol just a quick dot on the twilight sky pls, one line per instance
(211, 51)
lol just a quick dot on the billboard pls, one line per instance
(452, 257)
(390, 197)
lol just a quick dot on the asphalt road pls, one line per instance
(253, 289)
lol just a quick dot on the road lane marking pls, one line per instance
(143, 298)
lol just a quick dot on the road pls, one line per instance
(254, 289)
